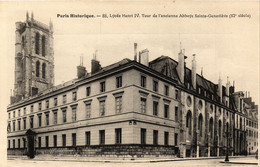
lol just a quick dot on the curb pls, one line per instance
(133, 160)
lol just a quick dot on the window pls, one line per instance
(54, 140)
(14, 114)
(47, 118)
(43, 70)
(24, 143)
(119, 104)
(176, 94)
(102, 86)
(24, 110)
(143, 105)
(47, 104)
(64, 99)
(143, 81)
(175, 139)
(102, 137)
(37, 43)
(31, 108)
(39, 106)
(31, 121)
(155, 137)
(37, 69)
(155, 108)
(88, 110)
(155, 86)
(166, 111)
(64, 115)
(87, 136)
(9, 127)
(55, 101)
(188, 122)
(118, 133)
(200, 124)
(24, 123)
(166, 138)
(9, 115)
(23, 42)
(9, 144)
(40, 120)
(74, 139)
(39, 142)
(13, 143)
(166, 90)
(102, 107)
(63, 140)
(143, 136)
(43, 46)
(211, 127)
(46, 141)
(219, 129)
(19, 124)
(55, 117)
(176, 114)
(119, 82)
(19, 113)
(74, 96)
(74, 113)
(88, 91)
(13, 125)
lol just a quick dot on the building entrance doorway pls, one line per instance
(31, 143)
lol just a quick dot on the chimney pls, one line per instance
(81, 70)
(248, 94)
(144, 57)
(220, 88)
(95, 65)
(180, 67)
(193, 76)
(135, 51)
(227, 87)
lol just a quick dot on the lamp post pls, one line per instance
(227, 149)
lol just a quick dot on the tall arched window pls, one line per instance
(37, 43)
(211, 127)
(188, 121)
(240, 123)
(227, 128)
(200, 124)
(37, 69)
(219, 129)
(43, 70)
(43, 45)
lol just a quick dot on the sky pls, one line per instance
(223, 46)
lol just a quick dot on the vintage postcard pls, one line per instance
(129, 83)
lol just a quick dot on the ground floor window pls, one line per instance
(155, 137)
(176, 139)
(55, 140)
(166, 138)
(87, 138)
(143, 136)
(39, 142)
(118, 133)
(46, 141)
(102, 137)
(63, 140)
(74, 139)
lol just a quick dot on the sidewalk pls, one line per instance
(233, 159)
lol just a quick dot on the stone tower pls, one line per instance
(34, 60)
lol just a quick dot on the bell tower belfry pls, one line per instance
(34, 59)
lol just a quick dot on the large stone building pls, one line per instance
(133, 108)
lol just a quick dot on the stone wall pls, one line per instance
(130, 151)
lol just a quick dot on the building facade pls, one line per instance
(133, 108)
